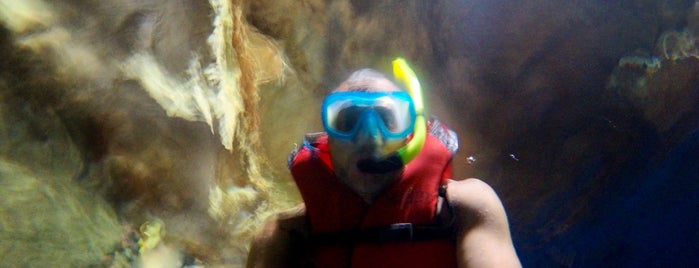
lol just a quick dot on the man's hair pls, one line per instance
(364, 74)
(365, 79)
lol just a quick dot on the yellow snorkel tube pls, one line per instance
(407, 153)
(406, 75)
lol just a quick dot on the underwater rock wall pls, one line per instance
(144, 116)
(582, 115)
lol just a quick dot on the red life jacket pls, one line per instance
(331, 206)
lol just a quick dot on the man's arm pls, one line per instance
(483, 232)
(278, 243)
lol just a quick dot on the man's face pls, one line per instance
(368, 143)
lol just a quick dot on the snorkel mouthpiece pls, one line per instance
(379, 166)
(403, 73)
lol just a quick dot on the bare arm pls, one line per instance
(277, 243)
(483, 231)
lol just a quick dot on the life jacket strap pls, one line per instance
(394, 233)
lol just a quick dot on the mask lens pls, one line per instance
(388, 117)
(395, 114)
(347, 118)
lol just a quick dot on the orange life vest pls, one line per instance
(333, 207)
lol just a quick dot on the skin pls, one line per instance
(483, 235)
(345, 155)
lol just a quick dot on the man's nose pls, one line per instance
(369, 134)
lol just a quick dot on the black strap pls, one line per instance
(399, 232)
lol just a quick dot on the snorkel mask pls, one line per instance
(395, 114)
(390, 113)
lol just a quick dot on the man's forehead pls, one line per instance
(370, 84)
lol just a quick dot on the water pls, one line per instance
(582, 115)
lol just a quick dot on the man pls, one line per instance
(370, 202)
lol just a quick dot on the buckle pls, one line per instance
(398, 232)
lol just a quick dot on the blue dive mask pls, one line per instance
(392, 114)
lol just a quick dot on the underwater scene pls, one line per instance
(155, 133)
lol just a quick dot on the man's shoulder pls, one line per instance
(444, 134)
(291, 219)
(473, 196)
(470, 185)
(313, 142)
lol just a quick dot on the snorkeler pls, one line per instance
(377, 189)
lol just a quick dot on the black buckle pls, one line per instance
(398, 232)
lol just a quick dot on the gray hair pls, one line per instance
(368, 80)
